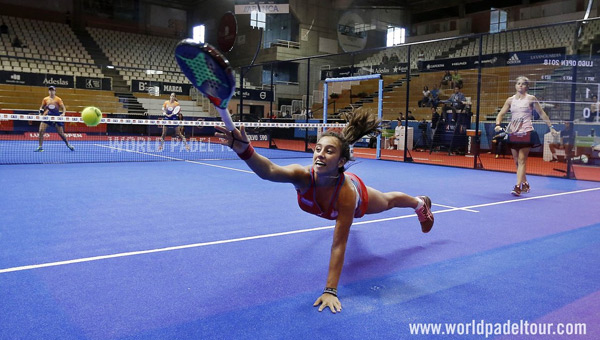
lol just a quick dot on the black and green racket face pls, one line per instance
(208, 70)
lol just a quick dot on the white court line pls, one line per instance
(532, 198)
(241, 239)
(447, 206)
(220, 166)
(175, 159)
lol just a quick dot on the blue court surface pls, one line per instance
(207, 250)
(125, 149)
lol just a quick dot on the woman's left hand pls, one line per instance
(328, 300)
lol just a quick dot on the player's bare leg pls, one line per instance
(520, 158)
(382, 201)
(41, 132)
(61, 133)
(162, 138)
(182, 136)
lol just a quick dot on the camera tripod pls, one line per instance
(424, 138)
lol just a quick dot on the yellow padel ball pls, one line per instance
(91, 116)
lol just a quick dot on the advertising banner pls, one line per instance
(143, 85)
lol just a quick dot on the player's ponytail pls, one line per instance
(360, 123)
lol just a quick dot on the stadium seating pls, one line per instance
(53, 48)
(47, 47)
(497, 85)
(430, 51)
(133, 54)
(590, 30)
(522, 40)
(19, 97)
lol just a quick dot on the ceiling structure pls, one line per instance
(421, 10)
(415, 5)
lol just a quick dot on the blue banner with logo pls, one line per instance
(495, 60)
(556, 56)
(388, 68)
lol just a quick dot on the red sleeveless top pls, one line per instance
(308, 200)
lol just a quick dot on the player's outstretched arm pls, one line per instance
(238, 141)
(346, 206)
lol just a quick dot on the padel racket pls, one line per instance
(209, 71)
(500, 135)
(176, 110)
(503, 133)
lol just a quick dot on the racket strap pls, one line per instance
(234, 139)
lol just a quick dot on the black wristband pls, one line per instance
(332, 291)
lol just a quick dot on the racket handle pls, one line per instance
(226, 118)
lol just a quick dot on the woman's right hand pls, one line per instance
(237, 140)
